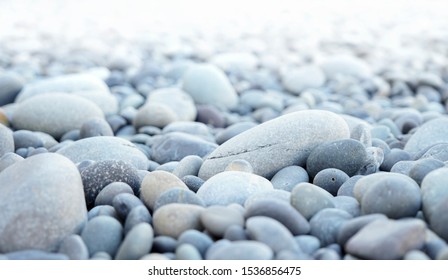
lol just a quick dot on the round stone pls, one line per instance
(102, 210)
(102, 234)
(164, 244)
(351, 227)
(428, 134)
(105, 148)
(178, 195)
(95, 127)
(422, 167)
(217, 219)
(232, 187)
(25, 139)
(187, 252)
(235, 232)
(348, 204)
(274, 194)
(308, 243)
(189, 165)
(207, 84)
(193, 182)
(74, 247)
(101, 173)
(156, 183)
(199, 240)
(233, 130)
(173, 219)
(54, 113)
(347, 155)
(210, 115)
(273, 145)
(107, 194)
(124, 203)
(288, 177)
(330, 179)
(42, 200)
(10, 85)
(242, 250)
(154, 114)
(137, 215)
(326, 223)
(346, 189)
(309, 199)
(9, 159)
(137, 243)
(305, 77)
(281, 211)
(395, 156)
(177, 100)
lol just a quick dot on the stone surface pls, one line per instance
(242, 250)
(199, 240)
(177, 100)
(7, 140)
(74, 248)
(173, 219)
(137, 243)
(42, 200)
(330, 179)
(105, 148)
(326, 224)
(9, 159)
(232, 187)
(309, 199)
(178, 195)
(288, 177)
(138, 214)
(298, 79)
(107, 194)
(54, 113)
(102, 234)
(217, 219)
(10, 85)
(345, 65)
(273, 145)
(95, 127)
(351, 227)
(428, 134)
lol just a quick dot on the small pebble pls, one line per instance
(309, 199)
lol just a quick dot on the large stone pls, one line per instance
(273, 145)
(105, 148)
(6, 140)
(430, 133)
(42, 202)
(54, 113)
(207, 84)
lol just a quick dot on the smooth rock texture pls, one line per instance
(309, 199)
(102, 234)
(7, 140)
(298, 79)
(326, 224)
(345, 65)
(178, 195)
(42, 200)
(105, 148)
(387, 239)
(217, 219)
(107, 193)
(137, 243)
(10, 85)
(173, 219)
(177, 100)
(428, 134)
(273, 145)
(74, 248)
(232, 187)
(95, 127)
(207, 84)
(54, 113)
(242, 250)
(288, 177)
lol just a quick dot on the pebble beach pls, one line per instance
(203, 131)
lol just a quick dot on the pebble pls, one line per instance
(210, 115)
(102, 256)
(309, 199)
(392, 194)
(46, 192)
(428, 134)
(116, 122)
(7, 143)
(347, 155)
(57, 113)
(217, 91)
(181, 103)
(281, 211)
(124, 203)
(164, 244)
(403, 167)
(154, 114)
(274, 194)
(25, 139)
(137, 215)
(102, 234)
(193, 182)
(173, 219)
(197, 129)
(187, 252)
(416, 255)
(189, 165)
(175, 146)
(273, 145)
(10, 85)
(235, 61)
(102, 210)
(330, 179)
(346, 65)
(74, 248)
(102, 173)
(34, 254)
(107, 194)
(287, 178)
(235, 232)
(218, 219)
(387, 239)
(232, 187)
(178, 195)
(9, 159)
(240, 165)
(346, 189)
(95, 127)
(233, 130)
(308, 243)
(199, 240)
(326, 224)
(242, 250)
(326, 254)
(351, 227)
(396, 155)
(305, 77)
(422, 167)
(272, 233)
(436, 151)
(156, 183)
(105, 148)
(137, 243)
(348, 204)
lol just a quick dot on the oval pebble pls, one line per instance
(74, 247)
(217, 219)
(107, 194)
(242, 250)
(137, 215)
(280, 211)
(25, 139)
(95, 127)
(137, 243)
(309, 199)
(173, 219)
(272, 194)
(346, 189)
(395, 156)
(326, 224)
(102, 234)
(189, 165)
(308, 243)
(178, 195)
(102, 210)
(164, 244)
(9, 159)
(422, 167)
(35, 255)
(288, 177)
(348, 204)
(199, 240)
(187, 252)
(124, 203)
(193, 182)
(428, 134)
(354, 225)
(7, 143)
(330, 179)
(233, 130)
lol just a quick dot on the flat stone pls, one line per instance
(387, 239)
(199, 240)
(107, 194)
(137, 215)
(181, 103)
(105, 148)
(42, 200)
(232, 187)
(178, 195)
(173, 219)
(273, 145)
(309, 199)
(189, 165)
(187, 252)
(54, 113)
(137, 243)
(95, 127)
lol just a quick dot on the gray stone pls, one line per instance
(422, 167)
(35, 255)
(235, 233)
(326, 224)
(396, 155)
(387, 239)
(436, 151)
(74, 247)
(193, 182)
(7, 140)
(274, 194)
(154, 114)
(199, 240)
(288, 177)
(330, 179)
(137, 215)
(428, 134)
(197, 129)
(233, 130)
(242, 250)
(54, 113)
(207, 84)
(42, 200)
(164, 244)
(105, 148)
(298, 79)
(9, 159)
(177, 100)
(10, 85)
(101, 173)
(107, 194)
(350, 228)
(273, 145)
(173, 219)
(232, 187)
(348, 204)
(137, 243)
(102, 256)
(95, 127)
(309, 199)
(187, 252)
(175, 146)
(102, 234)
(189, 165)
(281, 211)
(178, 195)
(124, 203)
(272, 233)
(347, 155)
(240, 165)
(308, 243)
(345, 65)
(25, 139)
(217, 219)
(210, 115)
(346, 189)
(103, 210)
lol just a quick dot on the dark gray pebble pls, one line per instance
(288, 177)
(351, 227)
(210, 115)
(199, 240)
(326, 224)
(138, 214)
(393, 157)
(178, 195)
(102, 233)
(74, 247)
(422, 167)
(25, 139)
(330, 179)
(189, 165)
(107, 194)
(116, 122)
(193, 182)
(164, 244)
(235, 232)
(124, 203)
(102, 210)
